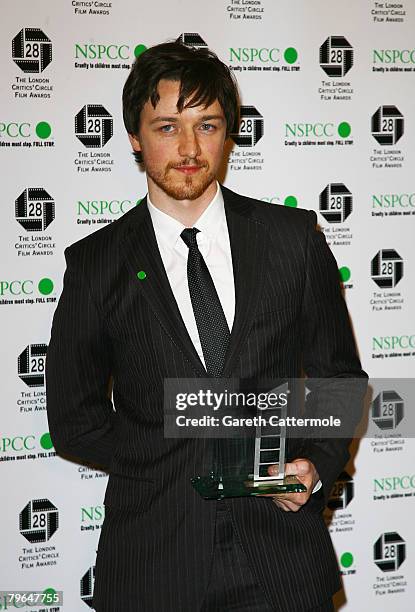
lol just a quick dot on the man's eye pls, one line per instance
(167, 128)
(207, 127)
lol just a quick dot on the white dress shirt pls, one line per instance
(214, 245)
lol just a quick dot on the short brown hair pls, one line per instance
(203, 79)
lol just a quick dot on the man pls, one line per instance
(195, 281)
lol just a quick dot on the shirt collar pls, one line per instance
(169, 229)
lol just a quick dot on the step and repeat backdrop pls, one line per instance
(327, 123)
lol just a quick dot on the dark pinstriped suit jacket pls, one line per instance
(155, 548)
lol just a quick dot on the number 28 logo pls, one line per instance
(251, 127)
(31, 50)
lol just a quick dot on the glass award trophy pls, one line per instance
(240, 464)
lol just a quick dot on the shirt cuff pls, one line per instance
(317, 487)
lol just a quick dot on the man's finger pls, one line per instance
(299, 499)
(286, 505)
(298, 467)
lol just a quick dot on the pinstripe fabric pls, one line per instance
(156, 544)
(232, 586)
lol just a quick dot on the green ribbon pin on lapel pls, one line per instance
(141, 275)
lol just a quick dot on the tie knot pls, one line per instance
(188, 236)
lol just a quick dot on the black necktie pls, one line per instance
(210, 319)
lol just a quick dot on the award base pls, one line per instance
(214, 487)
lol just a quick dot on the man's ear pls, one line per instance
(135, 143)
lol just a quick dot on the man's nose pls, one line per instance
(189, 144)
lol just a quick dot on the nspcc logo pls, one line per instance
(31, 365)
(336, 56)
(17, 444)
(389, 551)
(34, 209)
(394, 56)
(38, 520)
(87, 586)
(93, 126)
(31, 50)
(394, 483)
(23, 443)
(387, 268)
(393, 343)
(264, 55)
(13, 129)
(251, 127)
(394, 200)
(342, 492)
(387, 410)
(99, 52)
(387, 125)
(25, 291)
(20, 130)
(336, 203)
(192, 39)
(102, 207)
(106, 55)
(318, 130)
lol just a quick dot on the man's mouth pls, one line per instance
(188, 169)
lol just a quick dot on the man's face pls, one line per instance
(182, 152)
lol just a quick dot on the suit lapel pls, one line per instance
(248, 239)
(143, 255)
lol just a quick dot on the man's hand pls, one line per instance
(306, 473)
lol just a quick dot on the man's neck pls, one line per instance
(186, 212)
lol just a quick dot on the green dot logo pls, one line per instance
(290, 201)
(346, 559)
(139, 50)
(46, 441)
(345, 274)
(344, 129)
(290, 55)
(45, 286)
(43, 130)
(141, 275)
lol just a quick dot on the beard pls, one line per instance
(185, 187)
